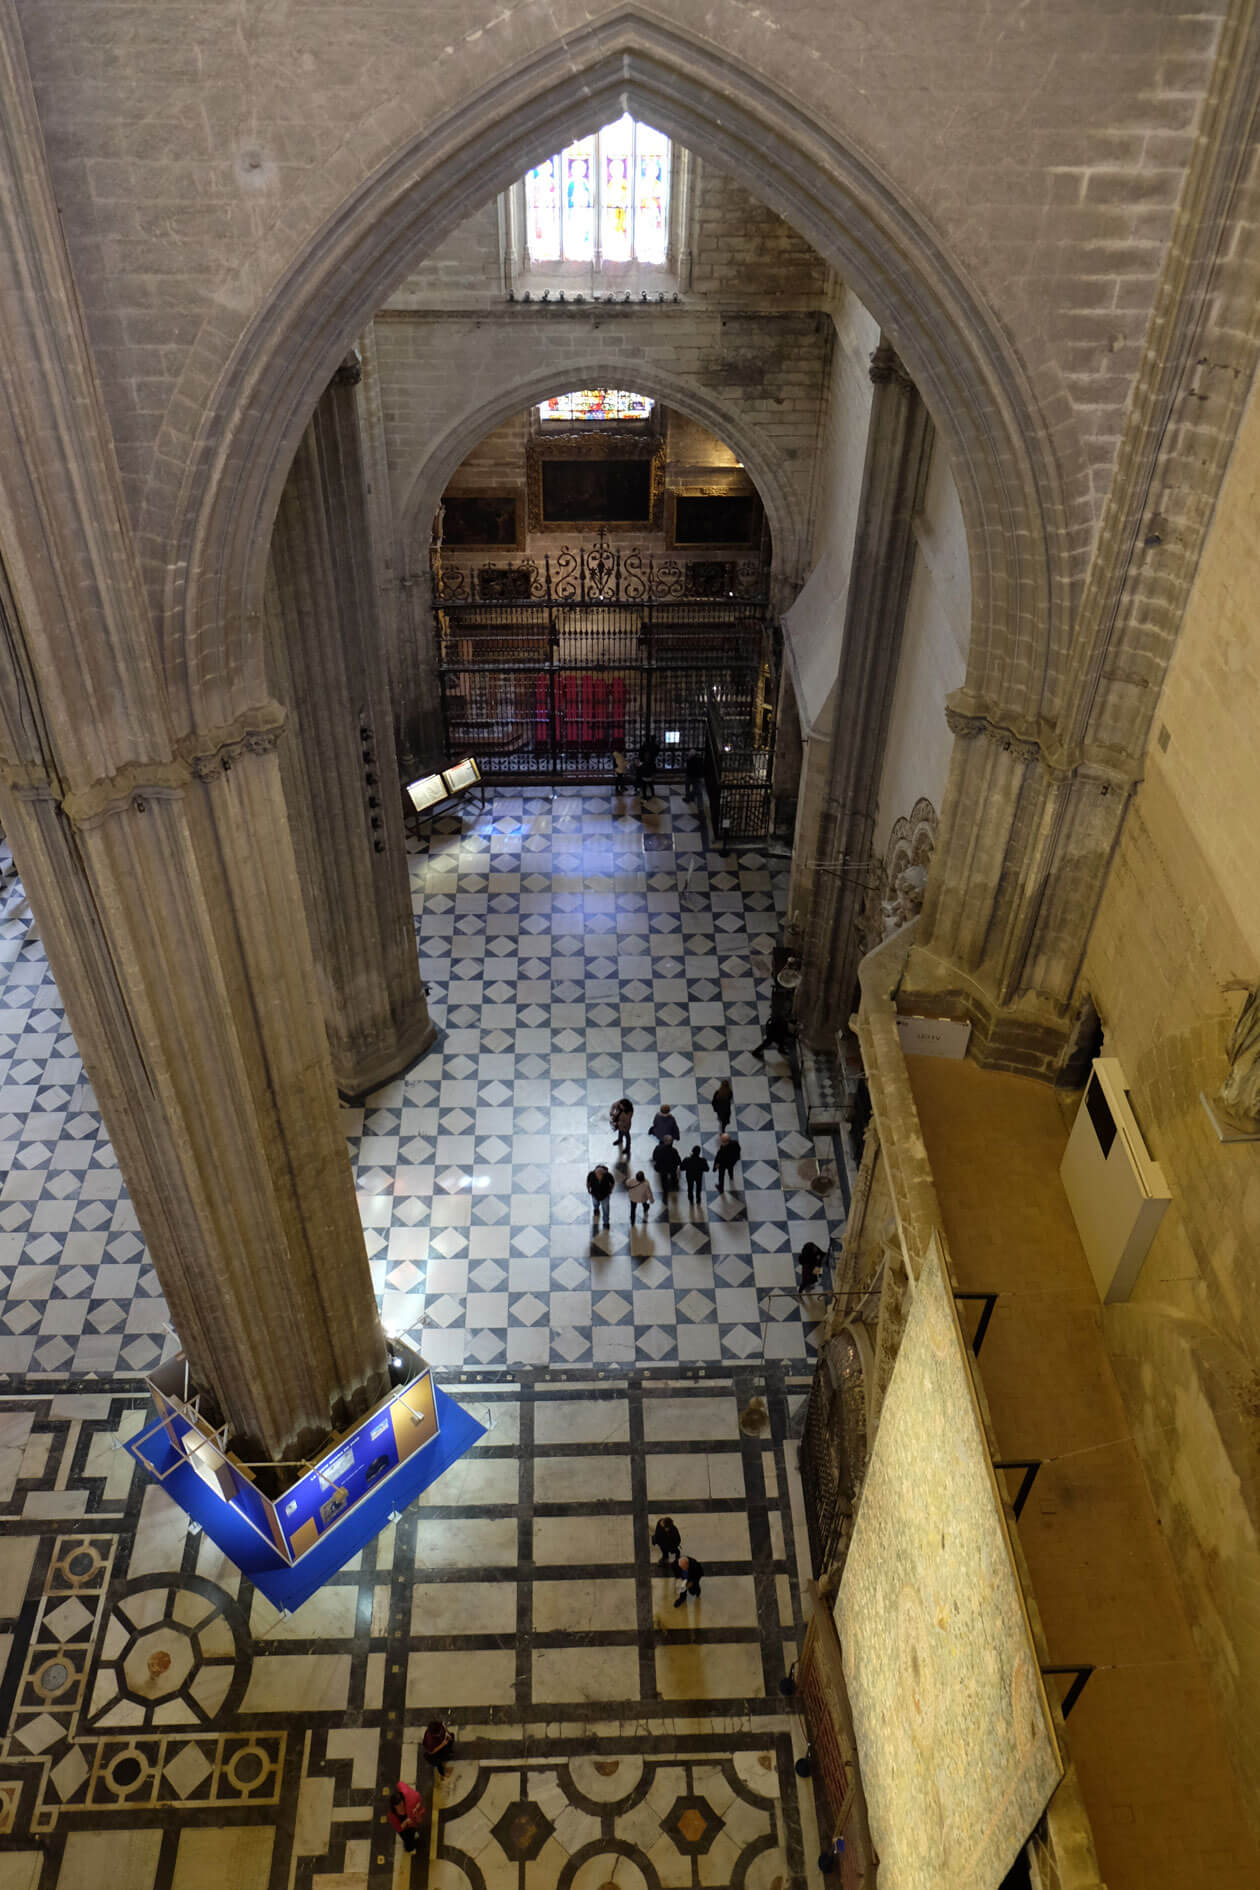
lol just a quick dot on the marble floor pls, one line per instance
(167, 1730)
(576, 948)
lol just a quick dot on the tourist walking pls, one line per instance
(641, 1196)
(695, 1168)
(666, 1538)
(599, 1185)
(621, 1115)
(666, 1163)
(438, 1745)
(406, 1814)
(723, 1101)
(619, 770)
(689, 1574)
(664, 1127)
(724, 1162)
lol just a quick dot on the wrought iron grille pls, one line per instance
(549, 666)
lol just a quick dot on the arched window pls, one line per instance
(605, 198)
(596, 403)
(609, 214)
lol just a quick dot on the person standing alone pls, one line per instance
(723, 1101)
(724, 1162)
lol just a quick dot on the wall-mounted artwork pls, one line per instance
(729, 518)
(595, 479)
(482, 521)
(596, 491)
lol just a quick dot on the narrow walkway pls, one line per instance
(1147, 1744)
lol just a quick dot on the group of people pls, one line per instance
(646, 768)
(601, 1182)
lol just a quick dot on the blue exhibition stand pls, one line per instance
(288, 1587)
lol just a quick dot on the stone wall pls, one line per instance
(933, 654)
(195, 162)
(1179, 925)
(743, 253)
(448, 380)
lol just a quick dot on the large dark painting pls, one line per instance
(726, 519)
(482, 521)
(596, 491)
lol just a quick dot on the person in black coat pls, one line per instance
(723, 1101)
(664, 1125)
(695, 1168)
(812, 1262)
(599, 1185)
(649, 750)
(666, 1538)
(724, 1162)
(666, 1163)
(689, 1574)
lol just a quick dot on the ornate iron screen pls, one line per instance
(547, 666)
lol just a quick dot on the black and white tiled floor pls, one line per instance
(568, 963)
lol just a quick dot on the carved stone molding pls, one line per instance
(131, 788)
(1024, 747)
(210, 752)
(201, 755)
(27, 781)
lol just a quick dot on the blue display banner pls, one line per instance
(361, 1461)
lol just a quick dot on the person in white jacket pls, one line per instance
(641, 1196)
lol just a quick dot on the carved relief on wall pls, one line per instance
(895, 897)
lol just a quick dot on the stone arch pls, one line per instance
(995, 424)
(761, 462)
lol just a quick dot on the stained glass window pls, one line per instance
(596, 403)
(542, 192)
(615, 184)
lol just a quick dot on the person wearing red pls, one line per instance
(406, 1814)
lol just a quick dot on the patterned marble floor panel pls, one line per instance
(575, 950)
(165, 1729)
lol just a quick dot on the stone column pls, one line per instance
(162, 878)
(340, 771)
(898, 447)
(1023, 847)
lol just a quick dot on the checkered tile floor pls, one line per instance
(567, 965)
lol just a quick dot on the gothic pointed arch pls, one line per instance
(1006, 433)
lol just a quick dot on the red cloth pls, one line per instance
(413, 1805)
